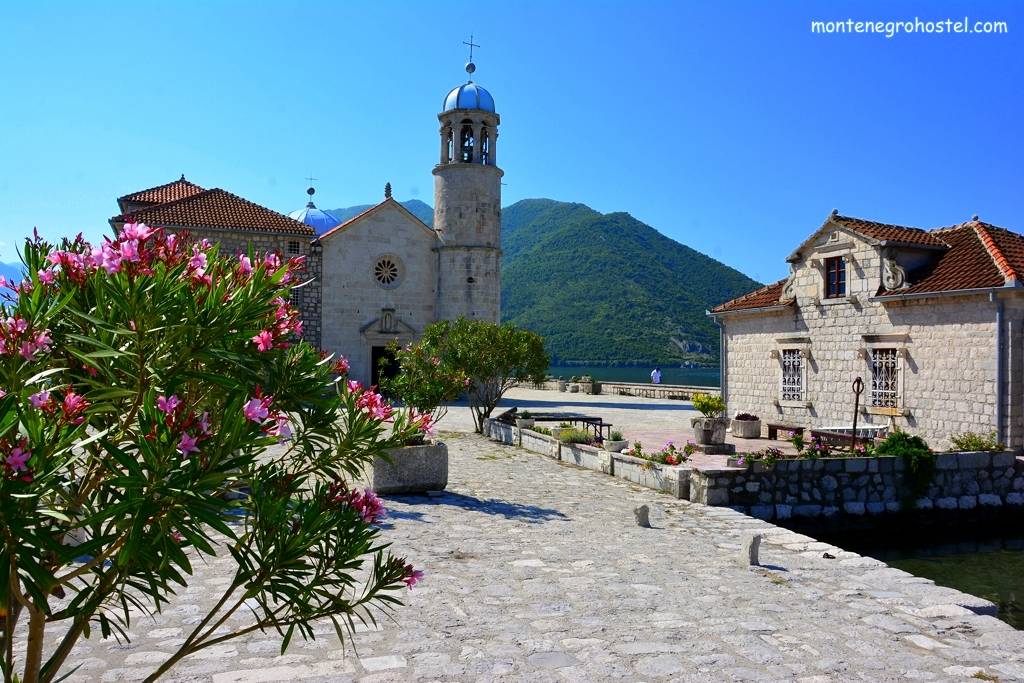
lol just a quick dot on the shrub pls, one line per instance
(919, 461)
(540, 430)
(574, 435)
(525, 415)
(425, 383)
(746, 417)
(768, 456)
(969, 441)
(616, 436)
(145, 382)
(816, 449)
(709, 405)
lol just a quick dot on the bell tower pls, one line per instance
(467, 205)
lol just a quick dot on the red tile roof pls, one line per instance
(975, 255)
(215, 208)
(759, 298)
(168, 192)
(886, 232)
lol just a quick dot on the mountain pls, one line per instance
(607, 288)
(12, 271)
(604, 288)
(421, 210)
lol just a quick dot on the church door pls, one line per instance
(382, 363)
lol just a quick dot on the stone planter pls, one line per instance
(412, 469)
(614, 446)
(746, 429)
(709, 430)
(734, 462)
(525, 422)
(561, 385)
(673, 479)
(590, 457)
(574, 388)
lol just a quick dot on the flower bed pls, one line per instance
(672, 479)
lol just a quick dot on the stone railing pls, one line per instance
(825, 487)
(682, 392)
(858, 486)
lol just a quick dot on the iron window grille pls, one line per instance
(885, 375)
(293, 247)
(792, 375)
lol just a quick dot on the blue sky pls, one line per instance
(727, 126)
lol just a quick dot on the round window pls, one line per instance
(387, 271)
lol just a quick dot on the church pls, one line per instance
(383, 275)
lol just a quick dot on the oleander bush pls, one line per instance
(969, 441)
(157, 409)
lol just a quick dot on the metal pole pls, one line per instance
(858, 387)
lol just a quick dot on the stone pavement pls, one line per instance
(536, 571)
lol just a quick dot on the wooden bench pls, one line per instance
(773, 430)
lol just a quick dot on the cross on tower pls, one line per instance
(471, 45)
(311, 179)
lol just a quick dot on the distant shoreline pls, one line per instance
(702, 376)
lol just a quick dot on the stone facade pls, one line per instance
(944, 346)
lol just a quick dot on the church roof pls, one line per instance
(321, 221)
(389, 201)
(469, 96)
(168, 192)
(215, 208)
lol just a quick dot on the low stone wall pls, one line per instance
(859, 486)
(590, 457)
(672, 479)
(538, 443)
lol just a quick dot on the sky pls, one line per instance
(728, 126)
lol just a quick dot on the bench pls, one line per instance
(774, 428)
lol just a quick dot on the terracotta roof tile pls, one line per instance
(759, 298)
(215, 208)
(888, 232)
(168, 192)
(1006, 247)
(967, 264)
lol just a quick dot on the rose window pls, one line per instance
(386, 271)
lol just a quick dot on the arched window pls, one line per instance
(485, 146)
(466, 143)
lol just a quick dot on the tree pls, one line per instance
(493, 357)
(156, 407)
(424, 382)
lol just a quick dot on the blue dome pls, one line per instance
(321, 221)
(469, 96)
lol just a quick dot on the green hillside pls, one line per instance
(606, 288)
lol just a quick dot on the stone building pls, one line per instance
(931, 320)
(383, 275)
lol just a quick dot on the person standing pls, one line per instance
(656, 376)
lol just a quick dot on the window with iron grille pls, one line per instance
(293, 247)
(885, 375)
(835, 277)
(792, 375)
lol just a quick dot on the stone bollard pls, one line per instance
(642, 514)
(749, 549)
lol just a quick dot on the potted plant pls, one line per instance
(561, 383)
(746, 426)
(709, 429)
(574, 386)
(615, 442)
(525, 420)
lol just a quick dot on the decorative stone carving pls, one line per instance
(893, 274)
(387, 320)
(789, 289)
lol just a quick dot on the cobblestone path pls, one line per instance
(536, 571)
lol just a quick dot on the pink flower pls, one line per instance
(130, 250)
(204, 422)
(244, 265)
(281, 429)
(18, 459)
(198, 261)
(263, 341)
(96, 257)
(46, 277)
(40, 400)
(168, 405)
(172, 240)
(187, 444)
(412, 576)
(43, 341)
(28, 350)
(257, 409)
(272, 260)
(341, 366)
(354, 386)
(110, 259)
(19, 324)
(136, 231)
(2, 393)
(74, 406)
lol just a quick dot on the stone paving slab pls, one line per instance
(536, 571)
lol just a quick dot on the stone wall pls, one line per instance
(858, 486)
(353, 300)
(946, 347)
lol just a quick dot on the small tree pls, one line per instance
(425, 383)
(155, 408)
(493, 358)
